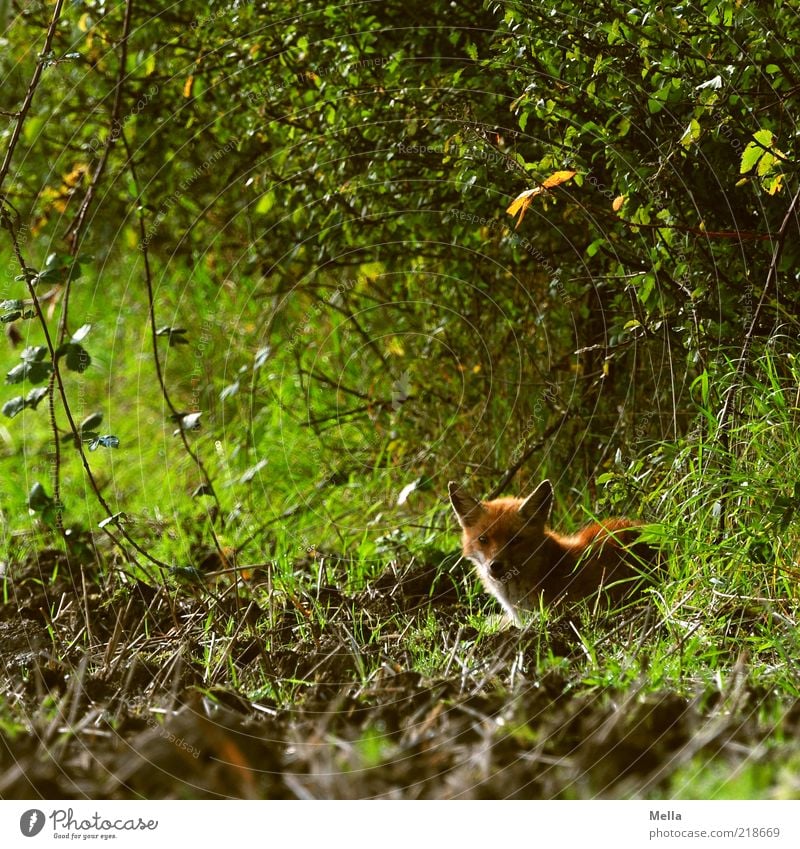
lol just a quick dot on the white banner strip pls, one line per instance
(393, 825)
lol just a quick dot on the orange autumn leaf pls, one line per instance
(557, 178)
(187, 86)
(523, 200)
(617, 204)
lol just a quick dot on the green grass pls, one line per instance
(720, 629)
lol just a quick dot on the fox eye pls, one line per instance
(483, 539)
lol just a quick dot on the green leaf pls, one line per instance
(34, 371)
(76, 356)
(14, 406)
(81, 333)
(752, 153)
(755, 150)
(107, 441)
(17, 405)
(265, 203)
(766, 138)
(90, 422)
(691, 134)
(33, 398)
(34, 354)
(38, 499)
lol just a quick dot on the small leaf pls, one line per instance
(617, 203)
(557, 178)
(14, 406)
(17, 405)
(106, 441)
(33, 398)
(262, 355)
(229, 391)
(34, 354)
(265, 203)
(175, 335)
(76, 356)
(35, 372)
(765, 138)
(90, 422)
(191, 421)
(713, 83)
(523, 200)
(774, 185)
(406, 491)
(248, 475)
(691, 134)
(120, 518)
(81, 333)
(750, 156)
(38, 499)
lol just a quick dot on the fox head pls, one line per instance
(506, 541)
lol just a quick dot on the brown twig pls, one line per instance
(27, 273)
(725, 417)
(76, 228)
(525, 456)
(151, 309)
(32, 86)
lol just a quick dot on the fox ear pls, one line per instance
(467, 508)
(537, 506)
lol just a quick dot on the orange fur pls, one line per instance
(521, 562)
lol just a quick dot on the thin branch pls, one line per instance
(27, 272)
(34, 84)
(151, 309)
(76, 228)
(529, 451)
(725, 416)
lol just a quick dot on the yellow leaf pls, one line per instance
(557, 178)
(617, 204)
(187, 86)
(476, 369)
(523, 200)
(521, 203)
(774, 185)
(75, 176)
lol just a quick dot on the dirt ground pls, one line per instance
(113, 689)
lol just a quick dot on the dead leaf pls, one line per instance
(522, 201)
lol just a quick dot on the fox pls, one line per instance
(522, 563)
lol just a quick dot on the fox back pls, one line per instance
(522, 563)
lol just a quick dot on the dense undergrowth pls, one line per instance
(264, 297)
(350, 661)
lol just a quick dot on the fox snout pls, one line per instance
(498, 569)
